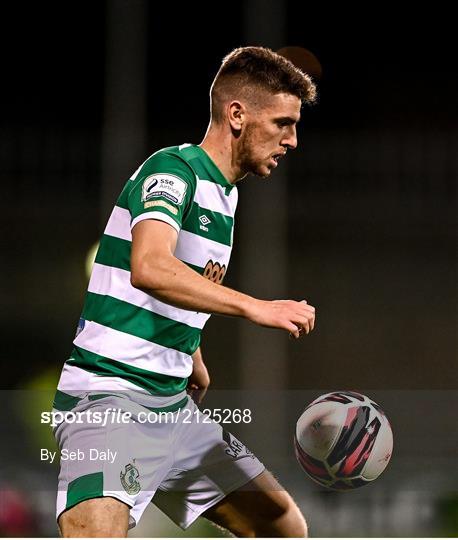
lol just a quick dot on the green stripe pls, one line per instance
(197, 269)
(141, 323)
(169, 408)
(85, 487)
(154, 383)
(194, 159)
(64, 402)
(122, 201)
(95, 397)
(114, 252)
(219, 228)
(205, 167)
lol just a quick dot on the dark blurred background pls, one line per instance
(362, 218)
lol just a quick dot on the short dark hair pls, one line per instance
(247, 70)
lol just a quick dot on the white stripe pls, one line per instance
(212, 196)
(142, 354)
(78, 382)
(156, 215)
(116, 283)
(119, 224)
(196, 250)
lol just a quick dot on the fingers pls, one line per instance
(310, 315)
(298, 318)
(299, 330)
(311, 320)
(305, 322)
(295, 334)
(197, 393)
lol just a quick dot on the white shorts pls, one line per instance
(183, 462)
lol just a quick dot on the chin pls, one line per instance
(259, 168)
(262, 172)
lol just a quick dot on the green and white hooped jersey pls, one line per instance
(126, 339)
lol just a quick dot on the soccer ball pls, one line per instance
(343, 440)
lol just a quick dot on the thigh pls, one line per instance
(209, 463)
(263, 497)
(262, 507)
(102, 517)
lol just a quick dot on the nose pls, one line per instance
(290, 138)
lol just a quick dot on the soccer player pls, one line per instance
(156, 279)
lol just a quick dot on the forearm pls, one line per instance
(155, 270)
(173, 282)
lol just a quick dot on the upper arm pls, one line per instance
(153, 237)
(153, 242)
(158, 201)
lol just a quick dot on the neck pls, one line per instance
(221, 147)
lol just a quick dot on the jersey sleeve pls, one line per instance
(163, 189)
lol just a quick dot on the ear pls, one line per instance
(236, 115)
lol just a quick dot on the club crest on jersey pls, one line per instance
(129, 479)
(166, 186)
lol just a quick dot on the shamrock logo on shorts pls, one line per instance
(129, 479)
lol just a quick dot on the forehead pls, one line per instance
(282, 105)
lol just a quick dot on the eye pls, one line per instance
(284, 122)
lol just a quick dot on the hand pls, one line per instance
(295, 317)
(198, 382)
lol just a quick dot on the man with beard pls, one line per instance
(156, 279)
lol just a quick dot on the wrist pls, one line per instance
(249, 307)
